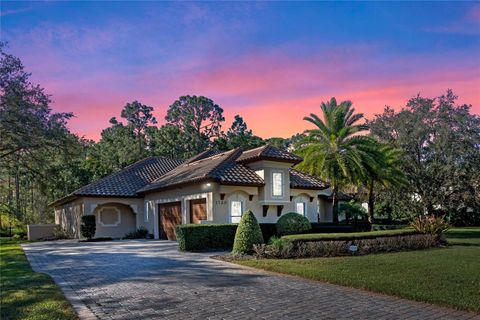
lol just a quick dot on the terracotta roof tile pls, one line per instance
(268, 152)
(300, 180)
(127, 181)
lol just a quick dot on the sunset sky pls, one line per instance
(272, 63)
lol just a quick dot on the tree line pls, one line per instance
(41, 160)
(422, 159)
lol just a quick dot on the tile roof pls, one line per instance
(238, 174)
(219, 167)
(127, 181)
(157, 173)
(300, 180)
(202, 155)
(268, 152)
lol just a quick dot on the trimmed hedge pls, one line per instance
(330, 248)
(248, 234)
(201, 237)
(88, 226)
(348, 236)
(204, 237)
(292, 223)
(378, 227)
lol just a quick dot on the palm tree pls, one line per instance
(385, 172)
(336, 150)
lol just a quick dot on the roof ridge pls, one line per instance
(235, 151)
(123, 170)
(260, 147)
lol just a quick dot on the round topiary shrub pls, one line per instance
(248, 233)
(292, 223)
(88, 227)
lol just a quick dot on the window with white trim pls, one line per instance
(277, 184)
(148, 211)
(236, 211)
(300, 208)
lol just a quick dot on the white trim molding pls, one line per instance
(119, 217)
(134, 208)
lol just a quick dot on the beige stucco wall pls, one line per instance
(218, 206)
(40, 231)
(68, 215)
(326, 210)
(221, 207)
(182, 194)
(114, 220)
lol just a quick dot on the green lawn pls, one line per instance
(352, 235)
(445, 276)
(25, 294)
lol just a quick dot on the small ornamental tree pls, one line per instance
(248, 233)
(292, 223)
(88, 227)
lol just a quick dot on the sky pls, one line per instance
(270, 62)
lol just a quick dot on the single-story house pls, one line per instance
(159, 193)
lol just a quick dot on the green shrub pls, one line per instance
(430, 225)
(378, 227)
(269, 230)
(292, 223)
(140, 233)
(59, 233)
(202, 237)
(329, 248)
(88, 226)
(248, 234)
(352, 210)
(20, 231)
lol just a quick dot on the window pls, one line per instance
(300, 208)
(236, 210)
(277, 184)
(149, 211)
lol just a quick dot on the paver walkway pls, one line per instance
(152, 280)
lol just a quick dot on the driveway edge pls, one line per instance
(449, 311)
(81, 309)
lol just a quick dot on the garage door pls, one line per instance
(170, 216)
(198, 210)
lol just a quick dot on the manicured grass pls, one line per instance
(446, 276)
(25, 294)
(348, 236)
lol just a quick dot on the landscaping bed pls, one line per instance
(447, 276)
(205, 237)
(330, 245)
(25, 294)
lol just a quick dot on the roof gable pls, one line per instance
(127, 181)
(300, 180)
(268, 152)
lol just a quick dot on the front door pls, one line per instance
(170, 216)
(198, 210)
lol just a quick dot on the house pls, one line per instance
(212, 187)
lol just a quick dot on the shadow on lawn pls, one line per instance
(464, 238)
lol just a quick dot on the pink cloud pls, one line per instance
(272, 89)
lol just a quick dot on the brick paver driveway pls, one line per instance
(152, 280)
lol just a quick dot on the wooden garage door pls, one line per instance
(198, 210)
(170, 216)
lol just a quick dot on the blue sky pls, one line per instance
(263, 60)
